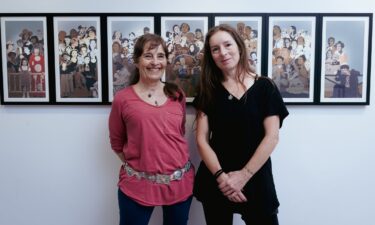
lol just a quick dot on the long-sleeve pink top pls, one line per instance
(152, 140)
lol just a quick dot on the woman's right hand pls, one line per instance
(234, 196)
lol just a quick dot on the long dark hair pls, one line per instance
(212, 76)
(170, 89)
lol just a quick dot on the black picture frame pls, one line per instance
(291, 56)
(77, 57)
(320, 26)
(25, 74)
(345, 59)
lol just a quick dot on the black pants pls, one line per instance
(218, 214)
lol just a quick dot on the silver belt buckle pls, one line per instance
(177, 175)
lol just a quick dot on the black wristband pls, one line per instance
(218, 173)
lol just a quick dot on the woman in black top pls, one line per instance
(238, 118)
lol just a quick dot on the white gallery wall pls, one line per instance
(56, 166)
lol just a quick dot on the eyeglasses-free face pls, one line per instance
(152, 63)
(224, 50)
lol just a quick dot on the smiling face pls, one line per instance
(152, 63)
(224, 51)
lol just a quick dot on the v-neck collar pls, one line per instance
(231, 96)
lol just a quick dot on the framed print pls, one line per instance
(122, 35)
(250, 29)
(77, 59)
(184, 36)
(345, 59)
(291, 57)
(24, 59)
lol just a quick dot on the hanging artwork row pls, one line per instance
(87, 58)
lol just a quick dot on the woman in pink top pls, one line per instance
(147, 127)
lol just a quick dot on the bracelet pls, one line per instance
(218, 173)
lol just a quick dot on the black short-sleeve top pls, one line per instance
(236, 127)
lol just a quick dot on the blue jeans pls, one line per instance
(132, 213)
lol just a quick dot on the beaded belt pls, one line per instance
(156, 177)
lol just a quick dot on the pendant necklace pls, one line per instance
(151, 93)
(155, 102)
